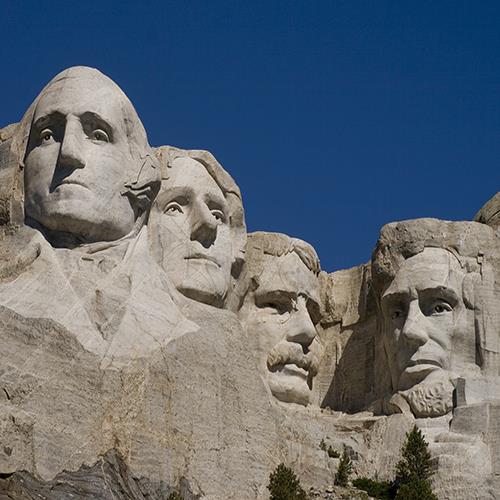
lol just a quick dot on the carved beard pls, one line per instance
(430, 398)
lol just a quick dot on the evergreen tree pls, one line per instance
(284, 485)
(416, 489)
(414, 469)
(344, 470)
(374, 488)
(174, 496)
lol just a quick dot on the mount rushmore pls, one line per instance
(149, 344)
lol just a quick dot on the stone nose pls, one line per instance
(301, 329)
(72, 145)
(414, 330)
(203, 225)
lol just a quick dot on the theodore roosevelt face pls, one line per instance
(280, 317)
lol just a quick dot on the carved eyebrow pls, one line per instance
(394, 296)
(394, 299)
(441, 292)
(42, 121)
(215, 199)
(168, 194)
(91, 116)
(95, 116)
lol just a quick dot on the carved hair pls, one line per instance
(276, 244)
(469, 242)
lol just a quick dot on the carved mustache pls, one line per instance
(286, 353)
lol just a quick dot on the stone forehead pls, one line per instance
(83, 82)
(71, 97)
(407, 238)
(471, 242)
(263, 243)
(190, 172)
(433, 267)
(287, 273)
(89, 78)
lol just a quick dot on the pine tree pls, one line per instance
(414, 469)
(284, 485)
(344, 470)
(174, 496)
(416, 489)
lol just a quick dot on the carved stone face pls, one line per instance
(191, 219)
(425, 314)
(78, 161)
(280, 317)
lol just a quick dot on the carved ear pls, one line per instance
(469, 289)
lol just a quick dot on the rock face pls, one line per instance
(149, 345)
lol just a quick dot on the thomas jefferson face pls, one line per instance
(425, 315)
(280, 317)
(78, 160)
(191, 216)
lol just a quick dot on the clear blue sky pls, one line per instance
(334, 117)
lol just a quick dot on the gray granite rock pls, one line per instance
(149, 346)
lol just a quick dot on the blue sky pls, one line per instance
(334, 117)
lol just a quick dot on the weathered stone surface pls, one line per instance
(165, 415)
(8, 132)
(490, 212)
(149, 346)
(11, 192)
(109, 478)
(349, 337)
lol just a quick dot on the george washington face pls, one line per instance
(78, 160)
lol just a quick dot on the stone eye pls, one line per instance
(100, 135)
(276, 306)
(396, 314)
(46, 135)
(441, 308)
(173, 209)
(219, 215)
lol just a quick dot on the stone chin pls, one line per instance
(202, 280)
(289, 386)
(73, 211)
